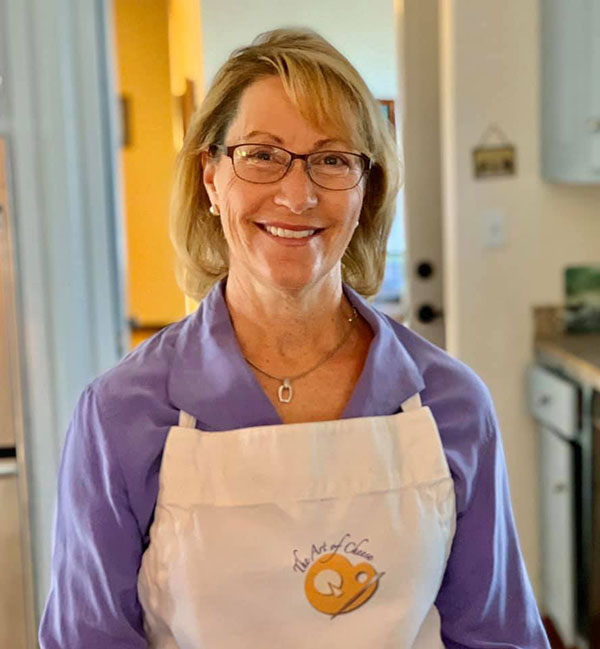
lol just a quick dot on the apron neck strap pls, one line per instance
(186, 420)
(412, 403)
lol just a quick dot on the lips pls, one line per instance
(289, 226)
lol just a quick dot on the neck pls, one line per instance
(287, 328)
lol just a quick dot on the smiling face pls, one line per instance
(254, 216)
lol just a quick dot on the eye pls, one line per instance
(337, 160)
(262, 155)
(331, 159)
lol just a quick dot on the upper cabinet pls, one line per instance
(570, 90)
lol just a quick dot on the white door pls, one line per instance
(417, 25)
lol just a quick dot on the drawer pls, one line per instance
(553, 400)
(12, 594)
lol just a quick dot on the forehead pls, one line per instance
(266, 108)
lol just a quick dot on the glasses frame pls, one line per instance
(230, 150)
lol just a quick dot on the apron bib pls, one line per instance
(326, 535)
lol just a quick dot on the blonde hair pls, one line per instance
(332, 96)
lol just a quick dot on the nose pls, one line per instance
(296, 191)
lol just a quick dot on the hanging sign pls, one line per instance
(494, 159)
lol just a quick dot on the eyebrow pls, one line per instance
(317, 145)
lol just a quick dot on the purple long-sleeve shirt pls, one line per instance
(108, 480)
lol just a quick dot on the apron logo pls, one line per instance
(333, 584)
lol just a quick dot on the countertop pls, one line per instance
(577, 354)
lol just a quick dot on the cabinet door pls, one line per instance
(570, 90)
(558, 521)
(12, 597)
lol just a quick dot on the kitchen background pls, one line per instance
(86, 265)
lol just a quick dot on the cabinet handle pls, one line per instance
(544, 400)
(8, 468)
(594, 124)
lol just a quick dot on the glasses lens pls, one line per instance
(336, 169)
(262, 163)
(259, 163)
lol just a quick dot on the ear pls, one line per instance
(209, 168)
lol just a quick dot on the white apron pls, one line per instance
(324, 535)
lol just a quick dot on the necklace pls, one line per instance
(285, 392)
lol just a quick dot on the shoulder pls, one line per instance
(461, 404)
(127, 412)
(139, 382)
(451, 386)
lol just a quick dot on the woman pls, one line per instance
(287, 466)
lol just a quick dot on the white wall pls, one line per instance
(490, 70)
(362, 30)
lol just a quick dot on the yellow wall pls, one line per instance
(141, 30)
(185, 44)
(185, 48)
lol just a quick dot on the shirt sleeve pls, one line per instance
(486, 600)
(97, 545)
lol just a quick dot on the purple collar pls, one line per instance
(210, 379)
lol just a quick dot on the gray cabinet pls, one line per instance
(570, 90)
(557, 508)
(554, 402)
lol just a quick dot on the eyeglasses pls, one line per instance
(263, 163)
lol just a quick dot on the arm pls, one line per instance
(486, 600)
(97, 545)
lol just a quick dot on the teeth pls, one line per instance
(291, 234)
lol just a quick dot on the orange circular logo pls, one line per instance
(334, 586)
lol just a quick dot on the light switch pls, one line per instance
(494, 228)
